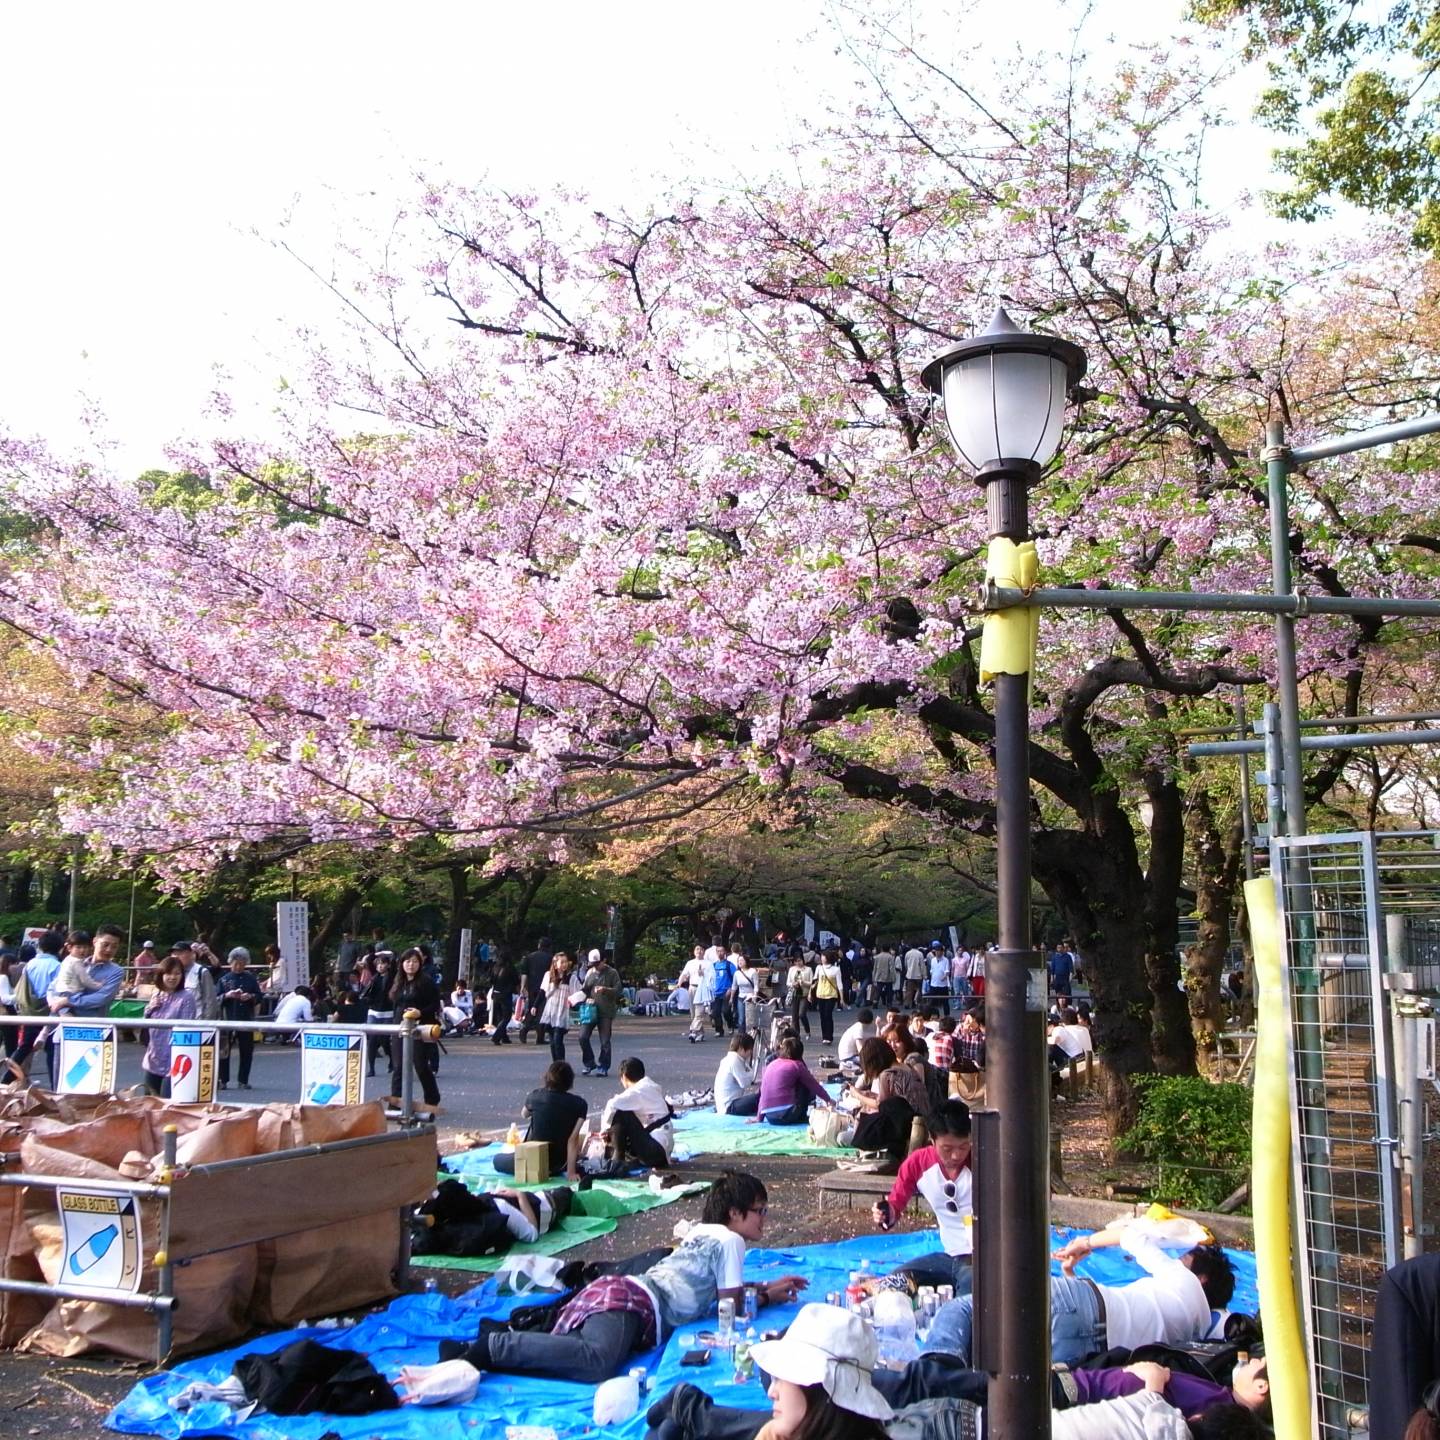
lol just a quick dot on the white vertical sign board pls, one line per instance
(332, 1066)
(467, 951)
(101, 1240)
(810, 927)
(955, 939)
(292, 935)
(85, 1059)
(194, 1065)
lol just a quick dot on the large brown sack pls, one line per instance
(213, 1293)
(334, 1267)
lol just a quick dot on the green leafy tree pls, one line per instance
(1355, 86)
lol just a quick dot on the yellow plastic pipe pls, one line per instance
(1270, 1173)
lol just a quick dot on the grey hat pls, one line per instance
(239, 953)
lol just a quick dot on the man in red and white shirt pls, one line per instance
(940, 1175)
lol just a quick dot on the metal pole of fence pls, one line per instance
(1247, 815)
(165, 1271)
(1301, 971)
(407, 1066)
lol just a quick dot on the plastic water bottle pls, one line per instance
(744, 1361)
(895, 1328)
(512, 1135)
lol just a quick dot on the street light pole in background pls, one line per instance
(1003, 395)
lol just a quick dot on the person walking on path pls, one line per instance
(415, 990)
(602, 990)
(722, 981)
(533, 970)
(800, 985)
(829, 986)
(504, 982)
(562, 992)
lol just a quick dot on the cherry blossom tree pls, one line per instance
(587, 521)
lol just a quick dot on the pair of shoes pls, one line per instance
(602, 1073)
(589, 1070)
(222, 1084)
(243, 1086)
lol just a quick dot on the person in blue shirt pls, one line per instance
(1061, 965)
(34, 984)
(108, 977)
(722, 978)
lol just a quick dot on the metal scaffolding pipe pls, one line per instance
(998, 597)
(1366, 439)
(1372, 741)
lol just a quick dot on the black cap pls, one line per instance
(182, 945)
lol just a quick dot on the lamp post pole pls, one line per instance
(1019, 1394)
(1004, 398)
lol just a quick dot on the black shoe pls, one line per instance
(453, 1349)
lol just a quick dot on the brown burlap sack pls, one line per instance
(333, 1267)
(213, 1293)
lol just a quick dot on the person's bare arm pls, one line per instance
(572, 1150)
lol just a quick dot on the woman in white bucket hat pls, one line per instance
(820, 1384)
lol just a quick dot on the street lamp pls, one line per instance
(1003, 395)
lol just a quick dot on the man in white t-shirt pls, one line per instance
(637, 1120)
(848, 1049)
(940, 1174)
(296, 1008)
(1173, 1305)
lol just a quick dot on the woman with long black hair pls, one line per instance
(414, 990)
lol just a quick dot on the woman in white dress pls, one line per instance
(560, 987)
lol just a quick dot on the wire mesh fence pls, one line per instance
(1345, 1104)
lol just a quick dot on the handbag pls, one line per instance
(587, 1014)
(826, 1125)
(521, 1274)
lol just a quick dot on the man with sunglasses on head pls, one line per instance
(940, 1175)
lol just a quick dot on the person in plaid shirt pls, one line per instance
(617, 1316)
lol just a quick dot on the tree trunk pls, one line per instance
(530, 885)
(1217, 866)
(1094, 881)
(339, 913)
(1172, 1039)
(57, 897)
(17, 889)
(461, 903)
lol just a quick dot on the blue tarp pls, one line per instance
(409, 1330)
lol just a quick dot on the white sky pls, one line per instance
(145, 143)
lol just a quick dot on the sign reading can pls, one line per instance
(101, 1240)
(332, 1067)
(85, 1059)
(194, 1058)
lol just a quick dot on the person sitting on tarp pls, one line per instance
(557, 1117)
(637, 1122)
(598, 1328)
(454, 1221)
(788, 1086)
(1172, 1305)
(823, 1384)
(940, 1174)
(891, 1096)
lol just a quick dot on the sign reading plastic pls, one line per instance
(332, 1067)
(101, 1240)
(194, 1061)
(85, 1059)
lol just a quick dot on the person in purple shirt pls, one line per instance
(787, 1087)
(1190, 1394)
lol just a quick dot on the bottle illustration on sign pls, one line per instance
(94, 1250)
(180, 1067)
(79, 1070)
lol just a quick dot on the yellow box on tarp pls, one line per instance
(532, 1162)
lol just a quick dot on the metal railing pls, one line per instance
(408, 1031)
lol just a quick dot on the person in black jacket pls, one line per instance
(415, 990)
(504, 982)
(375, 994)
(239, 995)
(535, 967)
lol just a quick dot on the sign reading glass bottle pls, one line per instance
(332, 1069)
(194, 1057)
(85, 1059)
(101, 1240)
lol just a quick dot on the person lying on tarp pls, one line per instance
(823, 1385)
(597, 1329)
(1178, 1299)
(456, 1222)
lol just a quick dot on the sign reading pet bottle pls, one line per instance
(194, 1060)
(332, 1067)
(85, 1059)
(101, 1240)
